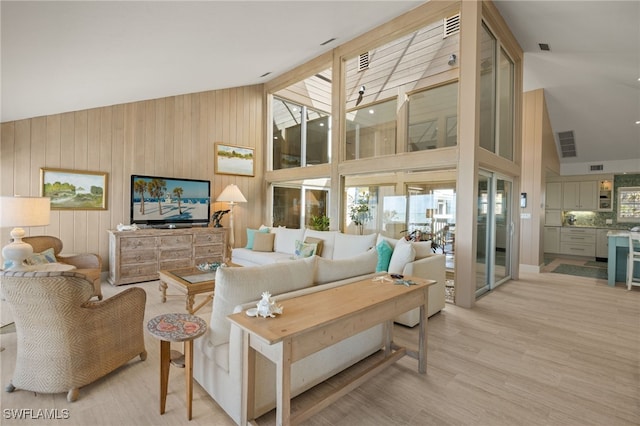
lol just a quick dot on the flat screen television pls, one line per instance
(164, 202)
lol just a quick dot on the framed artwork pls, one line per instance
(234, 160)
(74, 189)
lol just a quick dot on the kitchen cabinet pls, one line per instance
(578, 241)
(580, 195)
(552, 239)
(605, 195)
(553, 196)
(602, 243)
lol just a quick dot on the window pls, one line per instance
(371, 131)
(629, 204)
(301, 135)
(433, 119)
(297, 205)
(505, 106)
(487, 89)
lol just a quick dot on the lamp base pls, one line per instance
(17, 251)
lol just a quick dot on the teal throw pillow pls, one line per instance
(251, 236)
(385, 251)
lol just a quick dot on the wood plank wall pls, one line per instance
(171, 137)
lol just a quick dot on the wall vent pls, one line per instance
(567, 144)
(363, 61)
(596, 167)
(451, 25)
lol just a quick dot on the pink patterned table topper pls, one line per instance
(177, 327)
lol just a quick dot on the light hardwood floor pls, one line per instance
(548, 349)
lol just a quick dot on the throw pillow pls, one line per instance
(349, 245)
(46, 256)
(263, 241)
(403, 253)
(304, 250)
(384, 255)
(286, 239)
(318, 242)
(250, 236)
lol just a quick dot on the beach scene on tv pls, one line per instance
(157, 199)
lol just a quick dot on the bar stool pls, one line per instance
(634, 257)
(176, 328)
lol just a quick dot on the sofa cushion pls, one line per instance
(246, 257)
(349, 245)
(333, 270)
(385, 251)
(403, 253)
(235, 286)
(250, 235)
(304, 250)
(286, 239)
(263, 242)
(422, 248)
(328, 241)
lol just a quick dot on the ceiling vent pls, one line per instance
(451, 25)
(596, 167)
(363, 61)
(567, 144)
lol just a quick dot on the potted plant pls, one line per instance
(359, 211)
(319, 223)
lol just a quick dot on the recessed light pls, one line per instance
(638, 122)
(371, 111)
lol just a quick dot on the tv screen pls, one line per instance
(164, 201)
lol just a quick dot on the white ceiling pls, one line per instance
(66, 56)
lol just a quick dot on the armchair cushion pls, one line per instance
(47, 256)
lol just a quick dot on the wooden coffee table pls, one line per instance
(190, 282)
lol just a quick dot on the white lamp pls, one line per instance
(232, 195)
(18, 212)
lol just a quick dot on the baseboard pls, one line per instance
(531, 268)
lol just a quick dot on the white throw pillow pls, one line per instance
(349, 245)
(286, 239)
(403, 253)
(422, 248)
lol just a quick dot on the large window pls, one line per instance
(629, 204)
(433, 118)
(487, 89)
(300, 205)
(371, 131)
(301, 135)
(505, 106)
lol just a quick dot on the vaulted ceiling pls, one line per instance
(60, 56)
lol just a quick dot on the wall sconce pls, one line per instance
(452, 59)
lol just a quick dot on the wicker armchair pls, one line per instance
(65, 341)
(88, 264)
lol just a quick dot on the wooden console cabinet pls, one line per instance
(136, 256)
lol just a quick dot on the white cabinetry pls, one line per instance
(551, 239)
(605, 195)
(578, 241)
(580, 195)
(553, 196)
(602, 243)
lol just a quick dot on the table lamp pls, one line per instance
(232, 195)
(18, 212)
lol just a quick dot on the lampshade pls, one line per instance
(24, 211)
(231, 194)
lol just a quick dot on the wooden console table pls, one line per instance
(314, 321)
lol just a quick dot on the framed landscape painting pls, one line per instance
(234, 160)
(74, 189)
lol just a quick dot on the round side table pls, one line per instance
(176, 327)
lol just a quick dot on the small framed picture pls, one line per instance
(74, 189)
(234, 160)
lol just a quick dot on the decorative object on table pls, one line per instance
(267, 307)
(209, 267)
(217, 217)
(122, 227)
(232, 195)
(234, 160)
(74, 189)
(405, 282)
(17, 212)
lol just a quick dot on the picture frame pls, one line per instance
(74, 189)
(234, 160)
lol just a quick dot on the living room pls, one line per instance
(175, 136)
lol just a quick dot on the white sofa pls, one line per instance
(218, 354)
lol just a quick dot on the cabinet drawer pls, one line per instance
(128, 271)
(217, 238)
(210, 250)
(185, 253)
(572, 238)
(175, 264)
(578, 249)
(137, 243)
(133, 257)
(175, 241)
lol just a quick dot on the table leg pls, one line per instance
(247, 403)
(188, 364)
(283, 385)
(190, 302)
(422, 340)
(163, 291)
(165, 359)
